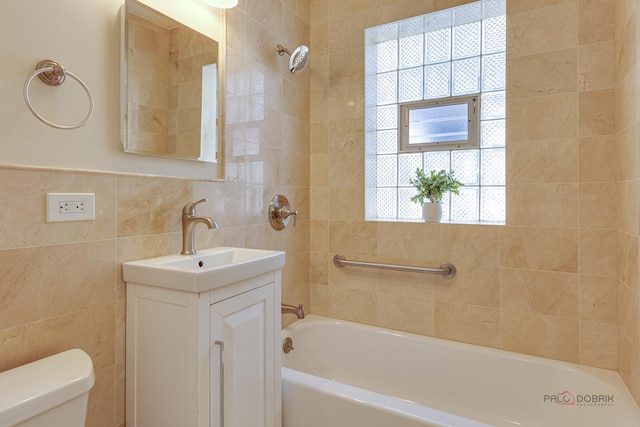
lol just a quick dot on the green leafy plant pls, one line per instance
(433, 186)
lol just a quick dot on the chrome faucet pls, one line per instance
(189, 221)
(292, 309)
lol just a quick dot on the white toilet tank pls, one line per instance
(51, 392)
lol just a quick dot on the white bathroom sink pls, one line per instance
(208, 269)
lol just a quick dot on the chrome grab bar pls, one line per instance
(221, 344)
(448, 271)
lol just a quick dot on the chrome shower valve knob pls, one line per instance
(284, 213)
(280, 212)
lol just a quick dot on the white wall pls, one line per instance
(84, 36)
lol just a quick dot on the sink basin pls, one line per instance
(208, 269)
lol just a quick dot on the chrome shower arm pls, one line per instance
(282, 50)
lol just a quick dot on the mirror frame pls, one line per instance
(124, 95)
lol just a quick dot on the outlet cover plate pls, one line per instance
(62, 207)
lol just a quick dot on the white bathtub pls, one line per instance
(344, 374)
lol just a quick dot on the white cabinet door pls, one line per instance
(242, 331)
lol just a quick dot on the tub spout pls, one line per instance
(292, 309)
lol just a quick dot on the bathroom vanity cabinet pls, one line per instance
(204, 359)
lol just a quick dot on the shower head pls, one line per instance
(298, 60)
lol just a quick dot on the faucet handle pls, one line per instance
(280, 211)
(190, 208)
(285, 213)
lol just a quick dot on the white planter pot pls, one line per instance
(432, 212)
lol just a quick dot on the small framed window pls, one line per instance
(443, 124)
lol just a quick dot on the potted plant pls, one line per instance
(431, 189)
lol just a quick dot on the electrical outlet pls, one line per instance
(70, 207)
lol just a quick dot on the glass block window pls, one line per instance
(457, 53)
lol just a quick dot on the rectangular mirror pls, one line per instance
(172, 87)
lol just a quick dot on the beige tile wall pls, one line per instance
(165, 78)
(61, 284)
(189, 52)
(627, 121)
(148, 81)
(544, 284)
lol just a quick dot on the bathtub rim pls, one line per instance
(610, 378)
(476, 348)
(399, 407)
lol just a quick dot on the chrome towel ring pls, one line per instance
(53, 74)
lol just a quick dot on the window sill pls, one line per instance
(419, 221)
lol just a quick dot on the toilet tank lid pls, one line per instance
(30, 389)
